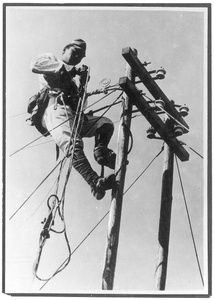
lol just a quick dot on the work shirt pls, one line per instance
(53, 73)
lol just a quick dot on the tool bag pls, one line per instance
(36, 107)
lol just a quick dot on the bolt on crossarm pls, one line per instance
(117, 193)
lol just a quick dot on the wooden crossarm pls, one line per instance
(153, 118)
(151, 85)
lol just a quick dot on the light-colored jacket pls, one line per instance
(50, 72)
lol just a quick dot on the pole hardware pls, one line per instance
(160, 103)
(153, 118)
(151, 85)
(151, 134)
(173, 125)
(145, 63)
(178, 130)
(184, 110)
(160, 74)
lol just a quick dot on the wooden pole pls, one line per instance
(165, 217)
(117, 193)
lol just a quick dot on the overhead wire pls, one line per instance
(182, 187)
(110, 88)
(76, 127)
(40, 204)
(189, 221)
(61, 201)
(55, 166)
(66, 262)
(34, 190)
(196, 152)
(20, 114)
(101, 99)
(106, 214)
(77, 247)
(39, 137)
(163, 110)
(40, 144)
(71, 253)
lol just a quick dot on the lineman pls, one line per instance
(57, 76)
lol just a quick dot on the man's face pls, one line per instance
(73, 56)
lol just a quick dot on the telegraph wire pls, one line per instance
(35, 190)
(99, 222)
(53, 169)
(54, 128)
(189, 221)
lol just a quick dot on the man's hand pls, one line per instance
(82, 70)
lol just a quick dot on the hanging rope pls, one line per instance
(190, 225)
(99, 222)
(76, 131)
(45, 234)
(77, 247)
(73, 142)
(76, 128)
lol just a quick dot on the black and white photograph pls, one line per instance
(106, 150)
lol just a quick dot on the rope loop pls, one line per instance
(130, 135)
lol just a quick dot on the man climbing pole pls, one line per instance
(56, 77)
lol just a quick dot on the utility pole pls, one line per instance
(168, 131)
(165, 218)
(117, 193)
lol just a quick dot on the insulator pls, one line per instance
(151, 133)
(184, 110)
(160, 103)
(160, 73)
(178, 130)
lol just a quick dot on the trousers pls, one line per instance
(58, 119)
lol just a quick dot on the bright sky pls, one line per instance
(174, 38)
